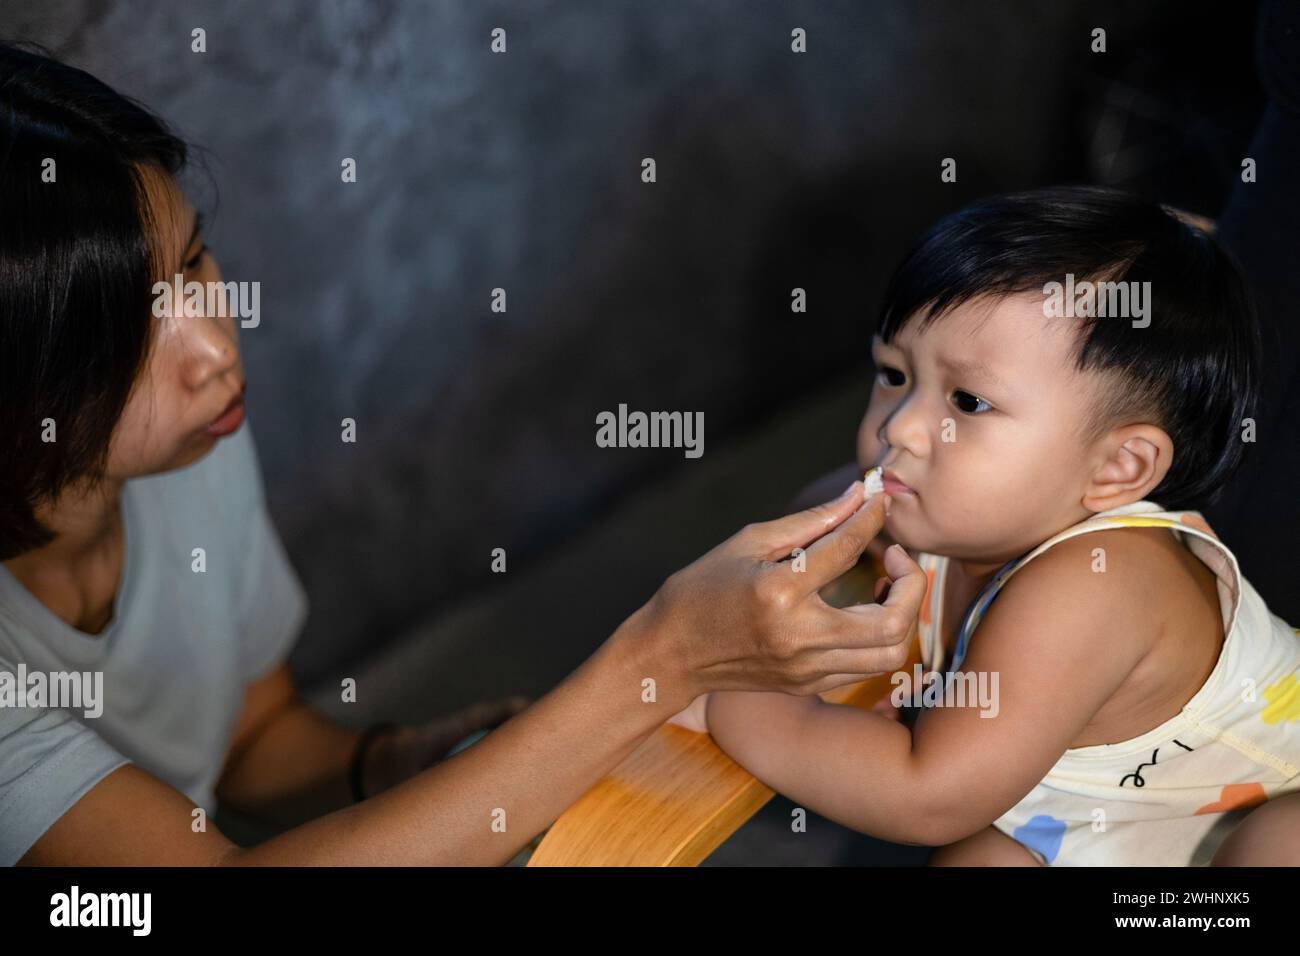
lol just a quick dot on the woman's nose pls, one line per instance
(210, 347)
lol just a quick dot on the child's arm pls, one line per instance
(1060, 640)
(813, 752)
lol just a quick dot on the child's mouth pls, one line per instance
(893, 486)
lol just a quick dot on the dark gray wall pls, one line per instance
(522, 171)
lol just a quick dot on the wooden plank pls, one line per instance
(677, 797)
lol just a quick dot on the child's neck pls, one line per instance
(975, 574)
(978, 573)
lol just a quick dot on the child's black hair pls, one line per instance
(77, 265)
(1193, 371)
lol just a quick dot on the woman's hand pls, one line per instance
(405, 751)
(821, 488)
(746, 616)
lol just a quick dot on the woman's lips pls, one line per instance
(230, 419)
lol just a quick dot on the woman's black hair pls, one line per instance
(76, 268)
(1193, 371)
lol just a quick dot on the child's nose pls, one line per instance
(907, 426)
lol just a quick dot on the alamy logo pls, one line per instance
(216, 299)
(102, 909)
(923, 688)
(651, 430)
(1123, 300)
(68, 690)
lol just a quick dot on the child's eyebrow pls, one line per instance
(964, 367)
(971, 369)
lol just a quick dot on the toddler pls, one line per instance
(1063, 377)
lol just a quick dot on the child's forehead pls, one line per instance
(1002, 333)
(1004, 349)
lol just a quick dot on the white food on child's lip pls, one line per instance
(873, 484)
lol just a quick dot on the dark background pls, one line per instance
(476, 170)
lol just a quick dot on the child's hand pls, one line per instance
(885, 708)
(692, 716)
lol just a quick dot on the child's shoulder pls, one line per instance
(1123, 580)
(1079, 615)
(1131, 548)
(1132, 600)
(1123, 561)
(1137, 595)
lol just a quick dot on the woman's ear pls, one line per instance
(1133, 460)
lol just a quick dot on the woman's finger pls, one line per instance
(826, 487)
(884, 658)
(774, 540)
(909, 582)
(864, 627)
(832, 681)
(834, 553)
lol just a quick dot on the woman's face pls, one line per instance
(194, 371)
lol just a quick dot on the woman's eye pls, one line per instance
(885, 376)
(198, 257)
(960, 398)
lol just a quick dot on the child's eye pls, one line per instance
(883, 376)
(958, 395)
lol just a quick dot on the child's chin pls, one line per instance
(906, 536)
(908, 541)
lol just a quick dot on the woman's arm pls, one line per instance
(483, 805)
(479, 807)
(286, 763)
(739, 618)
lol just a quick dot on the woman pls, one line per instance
(136, 545)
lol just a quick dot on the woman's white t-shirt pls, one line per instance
(207, 603)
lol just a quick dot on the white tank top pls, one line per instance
(1170, 795)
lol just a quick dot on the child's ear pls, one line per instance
(1134, 460)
